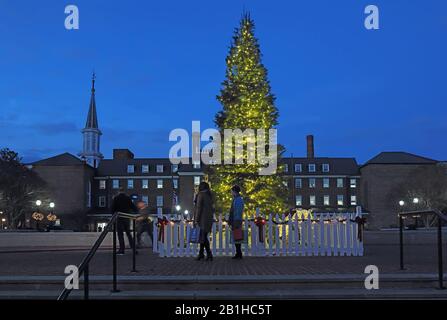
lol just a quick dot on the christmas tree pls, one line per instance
(247, 103)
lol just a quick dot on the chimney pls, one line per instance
(123, 154)
(310, 146)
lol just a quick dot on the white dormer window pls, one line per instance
(196, 165)
(298, 167)
(311, 167)
(145, 168)
(160, 168)
(130, 168)
(325, 167)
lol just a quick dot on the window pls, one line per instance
(160, 168)
(353, 183)
(326, 183)
(312, 183)
(339, 182)
(175, 183)
(298, 167)
(174, 168)
(159, 201)
(159, 210)
(145, 184)
(353, 200)
(159, 184)
(145, 199)
(116, 184)
(102, 201)
(340, 200)
(326, 200)
(130, 184)
(102, 184)
(145, 168)
(286, 168)
(325, 167)
(196, 165)
(298, 201)
(312, 200)
(196, 180)
(311, 167)
(298, 183)
(130, 168)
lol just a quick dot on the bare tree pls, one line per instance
(427, 184)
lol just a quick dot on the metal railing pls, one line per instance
(83, 268)
(416, 214)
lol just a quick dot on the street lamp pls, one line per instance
(3, 222)
(177, 207)
(401, 203)
(52, 205)
(415, 200)
(38, 203)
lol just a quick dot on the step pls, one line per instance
(424, 293)
(144, 282)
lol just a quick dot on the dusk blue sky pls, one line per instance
(160, 65)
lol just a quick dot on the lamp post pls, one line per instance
(38, 204)
(3, 222)
(416, 202)
(186, 214)
(401, 235)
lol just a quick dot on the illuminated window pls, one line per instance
(145, 184)
(312, 200)
(298, 201)
(312, 183)
(130, 184)
(353, 200)
(340, 200)
(102, 184)
(174, 168)
(196, 180)
(326, 200)
(353, 183)
(159, 184)
(175, 183)
(339, 182)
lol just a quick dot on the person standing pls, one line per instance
(203, 217)
(123, 203)
(235, 219)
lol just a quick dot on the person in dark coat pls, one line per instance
(203, 217)
(123, 203)
(235, 218)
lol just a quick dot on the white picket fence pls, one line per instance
(328, 234)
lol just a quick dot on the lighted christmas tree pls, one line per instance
(247, 103)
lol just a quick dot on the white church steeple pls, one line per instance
(91, 133)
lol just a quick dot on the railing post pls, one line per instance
(86, 283)
(401, 241)
(440, 267)
(134, 247)
(115, 226)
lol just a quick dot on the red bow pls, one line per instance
(260, 222)
(361, 222)
(162, 222)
